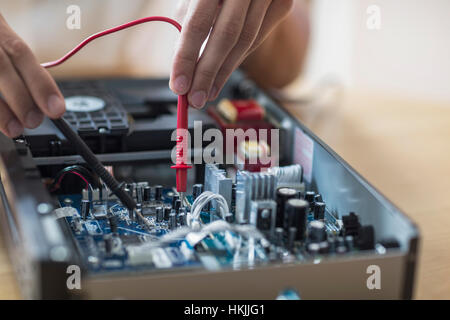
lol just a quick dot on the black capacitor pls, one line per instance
(318, 198)
(349, 242)
(297, 214)
(113, 223)
(109, 244)
(174, 199)
(317, 231)
(167, 210)
(340, 245)
(159, 214)
(331, 244)
(139, 194)
(309, 196)
(182, 218)
(324, 247)
(177, 205)
(279, 233)
(283, 195)
(313, 248)
(158, 192)
(147, 193)
(85, 208)
(233, 195)
(291, 237)
(172, 220)
(319, 211)
(197, 190)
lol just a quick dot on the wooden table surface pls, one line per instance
(403, 148)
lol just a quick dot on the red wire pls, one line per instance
(182, 117)
(73, 172)
(106, 32)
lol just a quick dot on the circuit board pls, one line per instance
(132, 245)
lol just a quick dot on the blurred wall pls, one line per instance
(408, 55)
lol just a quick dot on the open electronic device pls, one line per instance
(311, 224)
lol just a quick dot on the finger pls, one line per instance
(254, 21)
(198, 23)
(38, 81)
(16, 94)
(9, 124)
(223, 38)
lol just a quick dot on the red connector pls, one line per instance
(182, 113)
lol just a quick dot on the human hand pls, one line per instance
(28, 91)
(237, 28)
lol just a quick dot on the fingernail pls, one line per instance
(33, 119)
(56, 105)
(212, 94)
(180, 85)
(198, 99)
(14, 128)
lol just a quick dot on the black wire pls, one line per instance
(90, 158)
(92, 178)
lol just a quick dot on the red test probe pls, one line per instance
(182, 111)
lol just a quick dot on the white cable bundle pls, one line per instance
(197, 235)
(203, 200)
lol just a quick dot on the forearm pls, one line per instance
(279, 59)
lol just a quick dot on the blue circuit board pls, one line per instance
(91, 234)
(104, 252)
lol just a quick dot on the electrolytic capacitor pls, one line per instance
(324, 247)
(309, 196)
(177, 205)
(109, 244)
(85, 208)
(147, 193)
(158, 193)
(340, 245)
(283, 195)
(297, 214)
(318, 198)
(174, 199)
(113, 223)
(159, 214)
(331, 244)
(172, 220)
(317, 231)
(279, 233)
(182, 218)
(349, 242)
(167, 210)
(313, 248)
(291, 237)
(319, 211)
(197, 190)
(139, 194)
